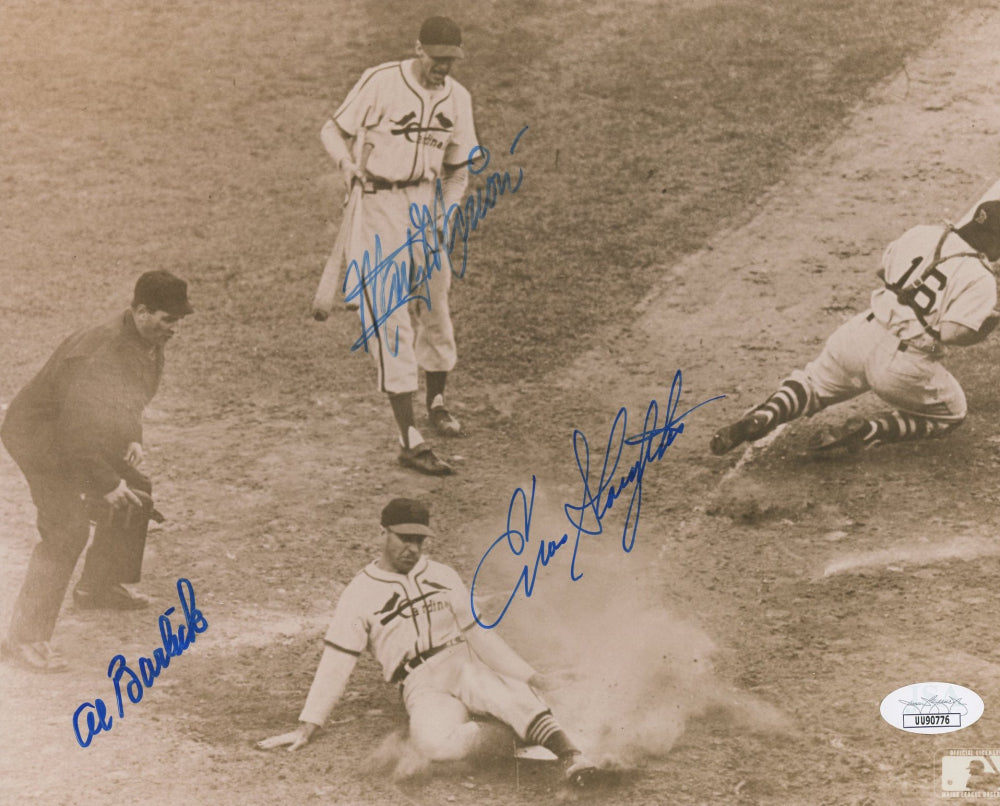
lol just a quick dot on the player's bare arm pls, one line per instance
(328, 684)
(962, 336)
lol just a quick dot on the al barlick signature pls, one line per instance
(95, 714)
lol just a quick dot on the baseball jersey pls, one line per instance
(398, 616)
(414, 130)
(955, 286)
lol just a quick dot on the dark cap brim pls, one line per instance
(410, 529)
(443, 51)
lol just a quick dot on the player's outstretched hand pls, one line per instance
(294, 739)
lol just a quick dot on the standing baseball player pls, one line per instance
(938, 289)
(414, 615)
(415, 123)
(75, 430)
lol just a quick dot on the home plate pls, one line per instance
(535, 752)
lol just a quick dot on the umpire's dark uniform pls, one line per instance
(69, 430)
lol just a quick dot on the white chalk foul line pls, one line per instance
(752, 450)
(920, 553)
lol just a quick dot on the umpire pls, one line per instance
(75, 430)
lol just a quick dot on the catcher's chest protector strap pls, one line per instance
(906, 295)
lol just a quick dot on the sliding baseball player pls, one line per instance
(414, 615)
(937, 290)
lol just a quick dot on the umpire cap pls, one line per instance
(162, 291)
(405, 516)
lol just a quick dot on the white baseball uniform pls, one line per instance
(414, 624)
(416, 133)
(932, 276)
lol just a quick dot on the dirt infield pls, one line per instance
(717, 217)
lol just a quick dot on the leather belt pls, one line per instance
(902, 347)
(382, 184)
(408, 666)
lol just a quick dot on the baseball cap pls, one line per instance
(441, 38)
(162, 291)
(987, 216)
(404, 516)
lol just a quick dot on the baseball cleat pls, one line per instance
(424, 460)
(443, 422)
(36, 657)
(753, 426)
(850, 435)
(580, 771)
(112, 597)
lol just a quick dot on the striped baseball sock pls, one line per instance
(898, 426)
(786, 404)
(544, 730)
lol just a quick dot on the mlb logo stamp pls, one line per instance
(970, 774)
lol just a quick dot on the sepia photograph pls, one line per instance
(499, 403)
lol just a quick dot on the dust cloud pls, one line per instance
(638, 669)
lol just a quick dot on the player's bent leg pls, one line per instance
(836, 374)
(515, 703)
(441, 729)
(790, 401)
(893, 426)
(546, 731)
(902, 426)
(929, 402)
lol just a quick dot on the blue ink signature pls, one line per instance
(586, 518)
(95, 714)
(403, 275)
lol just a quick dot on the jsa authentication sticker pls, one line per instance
(932, 708)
